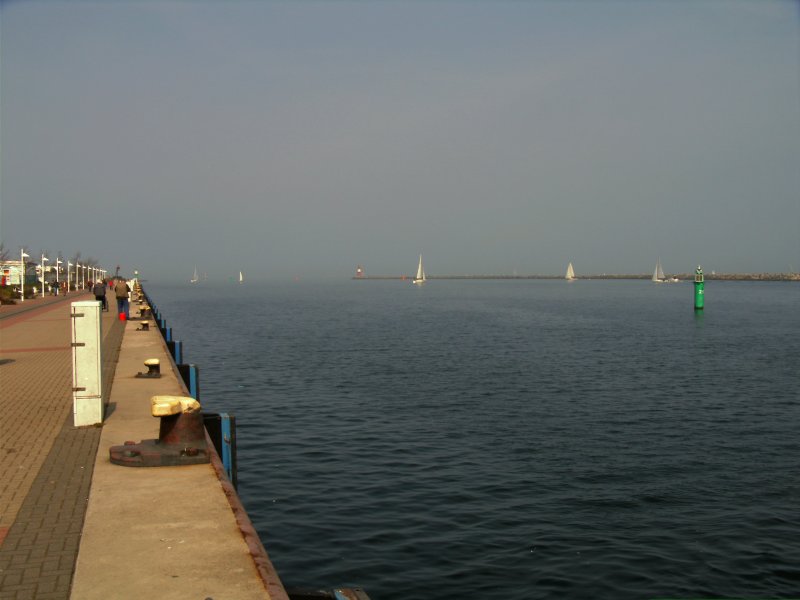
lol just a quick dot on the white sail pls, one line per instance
(658, 274)
(420, 278)
(241, 277)
(570, 272)
(194, 278)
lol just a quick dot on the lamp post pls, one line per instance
(22, 257)
(44, 260)
(59, 262)
(69, 264)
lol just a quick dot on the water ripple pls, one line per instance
(504, 440)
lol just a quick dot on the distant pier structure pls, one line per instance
(359, 272)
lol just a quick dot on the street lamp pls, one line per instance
(44, 260)
(22, 257)
(69, 264)
(59, 262)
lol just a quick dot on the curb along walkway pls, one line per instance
(45, 463)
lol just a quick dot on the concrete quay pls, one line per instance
(73, 525)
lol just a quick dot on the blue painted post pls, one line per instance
(168, 334)
(190, 379)
(178, 352)
(227, 437)
(194, 387)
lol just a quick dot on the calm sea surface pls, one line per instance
(511, 439)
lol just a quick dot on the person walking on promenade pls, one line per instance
(121, 291)
(99, 291)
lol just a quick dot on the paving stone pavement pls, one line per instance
(45, 463)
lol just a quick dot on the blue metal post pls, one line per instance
(227, 460)
(194, 391)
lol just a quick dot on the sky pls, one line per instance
(301, 138)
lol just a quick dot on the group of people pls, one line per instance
(121, 291)
(58, 288)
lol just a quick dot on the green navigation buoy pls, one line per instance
(699, 285)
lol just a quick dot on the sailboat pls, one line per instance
(658, 273)
(241, 277)
(570, 276)
(420, 278)
(194, 278)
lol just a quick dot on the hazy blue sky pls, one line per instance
(302, 138)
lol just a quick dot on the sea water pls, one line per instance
(510, 438)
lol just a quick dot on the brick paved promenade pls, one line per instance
(73, 525)
(47, 464)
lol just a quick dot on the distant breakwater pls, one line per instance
(681, 276)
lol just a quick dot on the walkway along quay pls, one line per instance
(45, 463)
(73, 525)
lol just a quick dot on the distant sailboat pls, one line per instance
(658, 273)
(241, 277)
(570, 276)
(420, 278)
(194, 278)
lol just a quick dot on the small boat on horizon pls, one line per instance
(659, 277)
(194, 278)
(570, 276)
(420, 278)
(241, 277)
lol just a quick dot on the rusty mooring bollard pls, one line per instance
(153, 368)
(181, 437)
